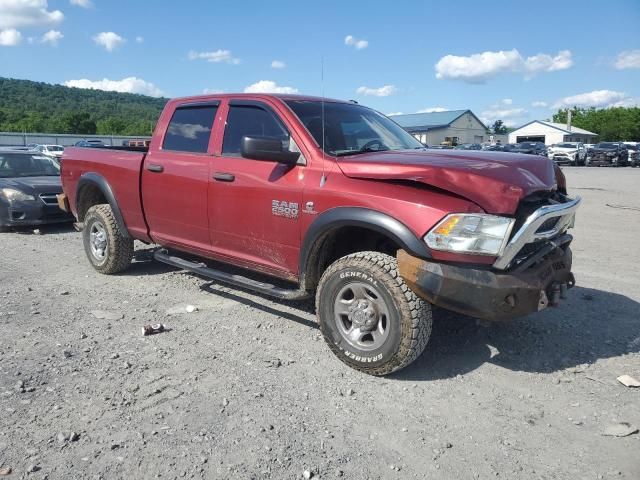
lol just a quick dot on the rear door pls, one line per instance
(175, 179)
(255, 205)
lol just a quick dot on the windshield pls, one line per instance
(19, 165)
(567, 145)
(607, 145)
(55, 148)
(526, 145)
(351, 129)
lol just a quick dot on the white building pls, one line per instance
(550, 133)
(453, 127)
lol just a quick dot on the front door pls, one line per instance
(175, 180)
(255, 205)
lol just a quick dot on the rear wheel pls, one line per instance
(109, 250)
(369, 317)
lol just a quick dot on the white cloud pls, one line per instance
(126, 85)
(628, 59)
(502, 111)
(27, 13)
(506, 101)
(383, 91)
(187, 130)
(278, 64)
(109, 40)
(546, 63)
(394, 113)
(479, 67)
(216, 56)
(139, 39)
(81, 3)
(268, 86)
(10, 37)
(539, 104)
(432, 110)
(356, 43)
(596, 98)
(52, 37)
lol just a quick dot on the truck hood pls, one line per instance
(495, 181)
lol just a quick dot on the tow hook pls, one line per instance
(558, 291)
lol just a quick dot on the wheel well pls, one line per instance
(342, 241)
(88, 196)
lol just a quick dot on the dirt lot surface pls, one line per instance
(245, 387)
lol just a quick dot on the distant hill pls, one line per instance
(42, 107)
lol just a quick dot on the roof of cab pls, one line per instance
(281, 96)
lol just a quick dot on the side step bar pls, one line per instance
(237, 280)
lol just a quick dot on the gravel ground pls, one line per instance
(245, 387)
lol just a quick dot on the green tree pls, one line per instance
(31, 106)
(78, 122)
(499, 127)
(611, 124)
(111, 126)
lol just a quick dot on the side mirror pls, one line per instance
(268, 149)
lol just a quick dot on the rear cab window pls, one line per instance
(190, 128)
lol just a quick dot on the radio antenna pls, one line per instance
(323, 179)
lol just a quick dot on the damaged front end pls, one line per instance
(532, 272)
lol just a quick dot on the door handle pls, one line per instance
(224, 177)
(155, 168)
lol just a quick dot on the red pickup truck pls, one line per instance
(337, 201)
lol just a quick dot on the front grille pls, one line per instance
(49, 198)
(548, 225)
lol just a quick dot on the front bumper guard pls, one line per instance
(488, 294)
(530, 230)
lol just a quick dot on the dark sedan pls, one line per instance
(531, 148)
(614, 154)
(29, 183)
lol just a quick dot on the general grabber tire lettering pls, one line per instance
(369, 317)
(107, 248)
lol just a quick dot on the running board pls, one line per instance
(237, 280)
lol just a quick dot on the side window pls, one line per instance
(189, 129)
(246, 120)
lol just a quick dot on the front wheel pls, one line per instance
(369, 317)
(108, 248)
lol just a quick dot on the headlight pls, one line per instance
(16, 195)
(478, 234)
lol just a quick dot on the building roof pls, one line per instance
(429, 121)
(560, 126)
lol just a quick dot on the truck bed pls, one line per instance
(119, 167)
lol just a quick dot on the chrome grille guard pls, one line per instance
(529, 233)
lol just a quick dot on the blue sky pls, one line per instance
(500, 59)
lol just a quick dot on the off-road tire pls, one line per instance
(119, 250)
(410, 318)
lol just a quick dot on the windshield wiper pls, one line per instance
(358, 152)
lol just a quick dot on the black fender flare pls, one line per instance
(358, 217)
(97, 180)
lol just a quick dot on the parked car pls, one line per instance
(469, 146)
(90, 143)
(530, 148)
(634, 153)
(613, 154)
(29, 185)
(326, 195)
(54, 151)
(571, 153)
